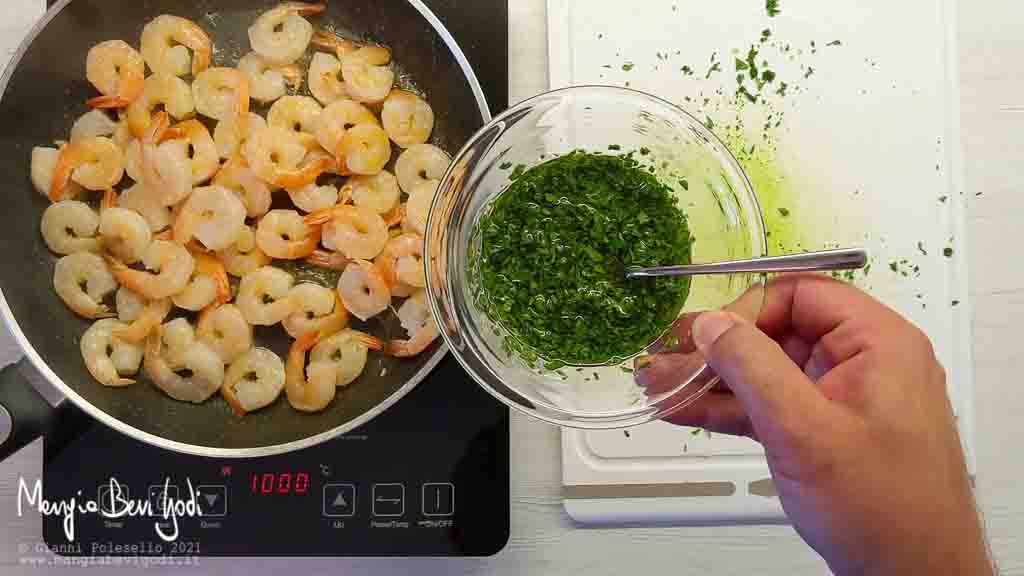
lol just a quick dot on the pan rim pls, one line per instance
(183, 447)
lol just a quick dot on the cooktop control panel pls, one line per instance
(419, 480)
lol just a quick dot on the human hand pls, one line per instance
(850, 404)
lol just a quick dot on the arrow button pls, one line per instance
(213, 499)
(339, 500)
(388, 500)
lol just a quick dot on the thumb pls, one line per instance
(773, 389)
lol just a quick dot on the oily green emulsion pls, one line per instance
(552, 253)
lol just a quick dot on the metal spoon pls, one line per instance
(843, 259)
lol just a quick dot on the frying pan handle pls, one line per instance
(24, 413)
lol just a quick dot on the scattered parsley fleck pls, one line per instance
(626, 369)
(784, 212)
(772, 7)
(765, 35)
(686, 70)
(947, 252)
(709, 123)
(606, 66)
(781, 91)
(685, 184)
(834, 43)
(955, 303)
(741, 65)
(920, 248)
(644, 151)
(614, 147)
(626, 432)
(716, 67)
(894, 266)
(505, 165)
(627, 66)
(943, 199)
(809, 73)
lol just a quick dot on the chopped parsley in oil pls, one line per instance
(772, 7)
(553, 250)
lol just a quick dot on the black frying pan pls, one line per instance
(45, 91)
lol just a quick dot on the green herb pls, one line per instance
(772, 7)
(781, 91)
(741, 65)
(627, 66)
(809, 73)
(709, 123)
(686, 70)
(834, 43)
(920, 248)
(644, 151)
(947, 252)
(684, 184)
(943, 199)
(765, 35)
(894, 266)
(614, 147)
(695, 432)
(715, 67)
(784, 212)
(552, 251)
(955, 303)
(505, 165)
(626, 369)
(626, 432)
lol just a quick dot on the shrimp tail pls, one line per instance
(302, 176)
(232, 400)
(121, 382)
(371, 342)
(67, 161)
(109, 199)
(319, 217)
(107, 102)
(395, 216)
(330, 260)
(293, 75)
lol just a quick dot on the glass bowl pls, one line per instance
(711, 188)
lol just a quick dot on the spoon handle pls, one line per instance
(843, 259)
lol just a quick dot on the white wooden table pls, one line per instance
(543, 539)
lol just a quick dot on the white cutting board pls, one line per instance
(867, 153)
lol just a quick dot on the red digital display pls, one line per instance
(279, 482)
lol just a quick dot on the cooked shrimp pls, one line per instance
(244, 256)
(337, 118)
(415, 317)
(347, 351)
(70, 226)
(420, 163)
(299, 114)
(44, 163)
(275, 154)
(268, 82)
(402, 261)
(170, 91)
(165, 170)
(221, 93)
(407, 118)
(231, 133)
(363, 290)
(256, 195)
(320, 309)
(124, 233)
(281, 34)
(264, 296)
(368, 78)
(108, 358)
(325, 81)
(316, 392)
(205, 159)
(225, 331)
(329, 260)
(117, 70)
(207, 285)
(82, 280)
(94, 163)
(402, 290)
(378, 193)
(283, 234)
(92, 124)
(253, 381)
(139, 199)
(149, 317)
(356, 232)
(213, 215)
(313, 197)
(173, 266)
(175, 338)
(417, 209)
(122, 135)
(177, 151)
(364, 149)
(129, 304)
(166, 41)
(207, 371)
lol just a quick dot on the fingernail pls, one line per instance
(709, 327)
